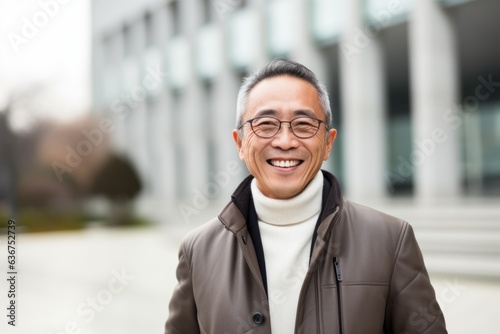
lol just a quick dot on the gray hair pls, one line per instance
(280, 67)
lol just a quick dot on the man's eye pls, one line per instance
(266, 123)
(304, 123)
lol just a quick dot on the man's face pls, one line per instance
(285, 98)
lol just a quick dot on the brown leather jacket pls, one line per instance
(366, 275)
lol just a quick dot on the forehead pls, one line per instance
(284, 95)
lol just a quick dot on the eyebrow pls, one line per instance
(266, 112)
(305, 112)
(272, 112)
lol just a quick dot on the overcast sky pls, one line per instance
(47, 43)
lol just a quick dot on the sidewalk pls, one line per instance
(120, 281)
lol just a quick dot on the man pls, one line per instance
(288, 254)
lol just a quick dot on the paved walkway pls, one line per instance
(119, 281)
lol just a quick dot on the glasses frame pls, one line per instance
(250, 121)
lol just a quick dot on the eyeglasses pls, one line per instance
(268, 127)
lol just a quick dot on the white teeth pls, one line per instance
(285, 163)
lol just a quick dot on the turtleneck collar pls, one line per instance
(289, 211)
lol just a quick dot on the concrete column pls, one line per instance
(223, 105)
(306, 51)
(363, 107)
(262, 30)
(225, 90)
(161, 143)
(190, 108)
(98, 70)
(434, 89)
(119, 136)
(137, 119)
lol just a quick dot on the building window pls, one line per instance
(209, 126)
(481, 150)
(179, 153)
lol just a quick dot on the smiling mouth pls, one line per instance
(284, 163)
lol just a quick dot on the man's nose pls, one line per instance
(285, 138)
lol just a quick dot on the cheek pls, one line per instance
(252, 146)
(320, 153)
(319, 149)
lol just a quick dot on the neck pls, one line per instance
(289, 211)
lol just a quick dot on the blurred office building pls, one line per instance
(414, 88)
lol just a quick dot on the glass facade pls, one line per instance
(480, 142)
(490, 129)
(399, 177)
(454, 2)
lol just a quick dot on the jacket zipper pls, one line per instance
(308, 277)
(338, 279)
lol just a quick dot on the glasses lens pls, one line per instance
(305, 127)
(265, 127)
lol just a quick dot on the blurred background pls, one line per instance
(115, 139)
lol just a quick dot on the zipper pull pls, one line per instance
(337, 269)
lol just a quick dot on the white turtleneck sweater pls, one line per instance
(286, 229)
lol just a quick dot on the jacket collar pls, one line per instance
(235, 215)
(240, 218)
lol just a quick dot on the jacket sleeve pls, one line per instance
(182, 317)
(412, 306)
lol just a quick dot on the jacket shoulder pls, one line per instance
(359, 214)
(371, 230)
(202, 234)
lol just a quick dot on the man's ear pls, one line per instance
(330, 139)
(239, 142)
